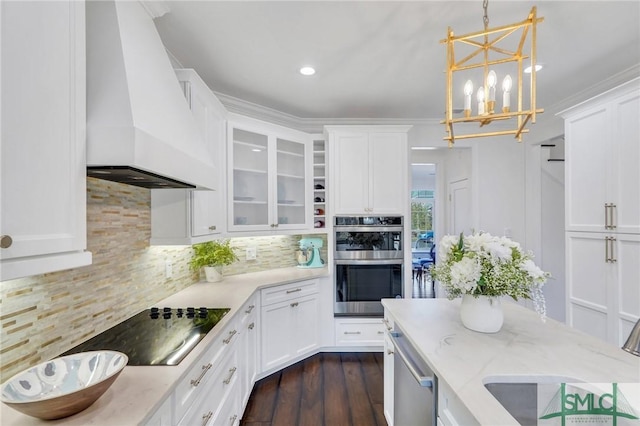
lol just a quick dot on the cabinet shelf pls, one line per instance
(292, 154)
(283, 175)
(256, 171)
(250, 145)
(249, 202)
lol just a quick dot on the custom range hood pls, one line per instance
(140, 130)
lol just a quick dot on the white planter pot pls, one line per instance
(481, 313)
(212, 274)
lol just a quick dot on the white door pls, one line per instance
(459, 207)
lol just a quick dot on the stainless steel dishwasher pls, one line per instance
(415, 386)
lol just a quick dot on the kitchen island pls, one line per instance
(525, 347)
(140, 390)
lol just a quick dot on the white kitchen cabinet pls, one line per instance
(269, 177)
(602, 148)
(184, 217)
(163, 416)
(209, 408)
(452, 412)
(603, 273)
(602, 198)
(369, 169)
(248, 349)
(43, 173)
(388, 388)
(367, 332)
(289, 322)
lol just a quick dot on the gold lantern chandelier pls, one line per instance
(493, 49)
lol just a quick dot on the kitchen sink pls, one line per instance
(519, 394)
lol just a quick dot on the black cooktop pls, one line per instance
(156, 336)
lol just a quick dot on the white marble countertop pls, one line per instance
(139, 389)
(525, 346)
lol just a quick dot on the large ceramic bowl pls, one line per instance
(63, 386)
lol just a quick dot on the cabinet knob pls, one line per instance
(5, 241)
(212, 228)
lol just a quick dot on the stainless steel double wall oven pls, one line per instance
(368, 260)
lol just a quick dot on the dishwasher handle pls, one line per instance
(422, 379)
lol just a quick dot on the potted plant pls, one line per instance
(212, 256)
(481, 268)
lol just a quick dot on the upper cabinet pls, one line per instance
(269, 177)
(43, 173)
(180, 216)
(601, 168)
(369, 169)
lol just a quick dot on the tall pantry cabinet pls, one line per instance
(602, 196)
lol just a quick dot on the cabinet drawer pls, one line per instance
(248, 312)
(201, 372)
(211, 400)
(288, 292)
(365, 332)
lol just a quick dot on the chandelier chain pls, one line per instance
(485, 17)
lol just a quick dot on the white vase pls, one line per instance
(212, 274)
(481, 313)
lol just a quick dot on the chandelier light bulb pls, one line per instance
(468, 91)
(480, 97)
(506, 93)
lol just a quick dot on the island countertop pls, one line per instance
(525, 346)
(140, 389)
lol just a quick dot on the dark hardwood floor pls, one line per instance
(331, 389)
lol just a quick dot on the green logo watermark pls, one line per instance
(582, 403)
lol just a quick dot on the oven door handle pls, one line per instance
(422, 379)
(385, 228)
(369, 262)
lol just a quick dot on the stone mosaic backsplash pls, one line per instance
(44, 315)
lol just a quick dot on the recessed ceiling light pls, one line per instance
(256, 150)
(423, 148)
(527, 70)
(307, 71)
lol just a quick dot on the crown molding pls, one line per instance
(307, 125)
(316, 125)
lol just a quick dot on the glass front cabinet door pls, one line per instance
(269, 178)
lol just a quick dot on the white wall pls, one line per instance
(552, 259)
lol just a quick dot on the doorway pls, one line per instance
(423, 217)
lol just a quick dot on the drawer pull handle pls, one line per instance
(233, 418)
(294, 304)
(212, 228)
(205, 368)
(250, 327)
(386, 323)
(380, 332)
(249, 309)
(228, 339)
(352, 332)
(293, 291)
(228, 379)
(389, 352)
(206, 418)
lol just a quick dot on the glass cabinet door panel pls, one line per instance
(291, 182)
(250, 178)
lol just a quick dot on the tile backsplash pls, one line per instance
(44, 315)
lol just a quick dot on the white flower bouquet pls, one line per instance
(481, 264)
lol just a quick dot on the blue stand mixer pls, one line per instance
(309, 254)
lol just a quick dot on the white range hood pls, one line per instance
(139, 127)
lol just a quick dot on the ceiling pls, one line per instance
(381, 60)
